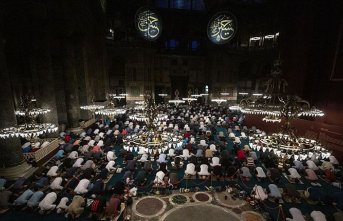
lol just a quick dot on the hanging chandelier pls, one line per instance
(196, 94)
(189, 99)
(275, 104)
(150, 113)
(218, 100)
(115, 96)
(92, 107)
(177, 100)
(29, 128)
(110, 109)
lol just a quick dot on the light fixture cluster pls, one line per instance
(218, 100)
(177, 100)
(92, 107)
(110, 111)
(28, 130)
(286, 143)
(32, 112)
(272, 119)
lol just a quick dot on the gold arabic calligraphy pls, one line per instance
(148, 24)
(221, 28)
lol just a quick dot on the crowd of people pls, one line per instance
(213, 145)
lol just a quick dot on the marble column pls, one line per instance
(12, 163)
(71, 84)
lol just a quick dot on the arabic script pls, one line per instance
(221, 28)
(148, 24)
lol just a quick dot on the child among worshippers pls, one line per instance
(62, 206)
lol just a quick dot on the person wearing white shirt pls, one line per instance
(56, 184)
(48, 202)
(110, 166)
(110, 156)
(311, 165)
(62, 206)
(52, 171)
(258, 193)
(78, 162)
(82, 187)
(73, 155)
(318, 216)
(294, 175)
(298, 165)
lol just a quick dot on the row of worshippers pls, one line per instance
(73, 180)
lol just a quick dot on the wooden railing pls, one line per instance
(85, 124)
(41, 153)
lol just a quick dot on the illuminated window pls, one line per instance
(172, 44)
(181, 4)
(194, 45)
(206, 89)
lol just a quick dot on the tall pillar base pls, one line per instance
(22, 170)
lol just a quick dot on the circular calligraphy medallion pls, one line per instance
(148, 24)
(222, 27)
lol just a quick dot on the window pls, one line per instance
(181, 4)
(194, 45)
(172, 44)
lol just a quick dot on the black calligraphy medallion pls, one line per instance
(148, 24)
(222, 27)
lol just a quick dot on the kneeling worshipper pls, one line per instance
(47, 204)
(296, 215)
(56, 184)
(82, 187)
(312, 177)
(23, 198)
(274, 175)
(291, 193)
(258, 193)
(35, 198)
(173, 179)
(274, 192)
(4, 200)
(318, 216)
(246, 175)
(75, 209)
(159, 178)
(260, 174)
(294, 176)
(317, 195)
(112, 208)
(97, 207)
(52, 171)
(141, 178)
(62, 206)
